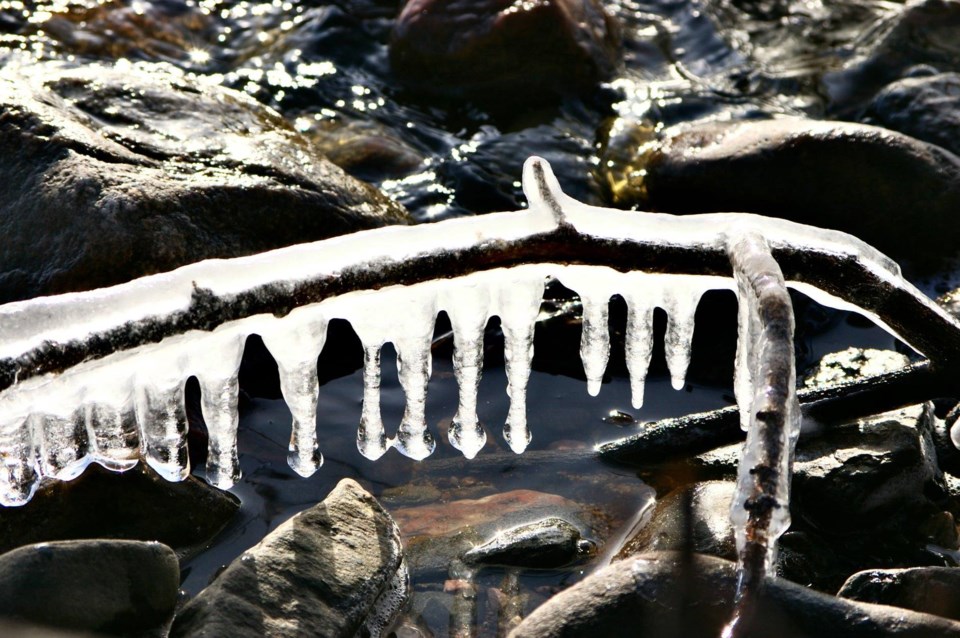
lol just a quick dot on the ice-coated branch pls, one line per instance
(765, 385)
(98, 376)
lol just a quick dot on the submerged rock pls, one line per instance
(708, 505)
(436, 535)
(861, 179)
(545, 544)
(667, 594)
(333, 570)
(932, 590)
(514, 49)
(108, 586)
(126, 170)
(927, 108)
(137, 505)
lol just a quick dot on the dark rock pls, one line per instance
(545, 544)
(927, 108)
(874, 471)
(333, 570)
(923, 32)
(856, 178)
(502, 49)
(931, 590)
(122, 171)
(367, 151)
(660, 594)
(137, 505)
(108, 586)
(708, 505)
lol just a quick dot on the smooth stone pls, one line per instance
(438, 534)
(131, 169)
(859, 179)
(109, 586)
(335, 569)
(504, 50)
(927, 108)
(137, 505)
(708, 504)
(549, 543)
(931, 590)
(655, 595)
(924, 32)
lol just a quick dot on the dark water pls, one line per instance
(323, 65)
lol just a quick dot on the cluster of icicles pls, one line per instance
(130, 405)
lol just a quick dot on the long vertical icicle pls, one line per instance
(680, 303)
(414, 366)
(162, 416)
(761, 507)
(518, 307)
(296, 342)
(371, 435)
(217, 369)
(639, 345)
(468, 306)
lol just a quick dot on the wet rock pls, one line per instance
(136, 505)
(931, 590)
(923, 32)
(708, 505)
(173, 32)
(870, 472)
(545, 544)
(321, 573)
(654, 595)
(108, 586)
(850, 177)
(126, 170)
(515, 49)
(927, 108)
(438, 534)
(364, 150)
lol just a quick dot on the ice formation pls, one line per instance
(98, 377)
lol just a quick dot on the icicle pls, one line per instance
(595, 341)
(595, 286)
(639, 343)
(161, 415)
(217, 367)
(414, 365)
(64, 442)
(19, 470)
(109, 412)
(371, 436)
(680, 301)
(518, 306)
(116, 440)
(468, 306)
(295, 342)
